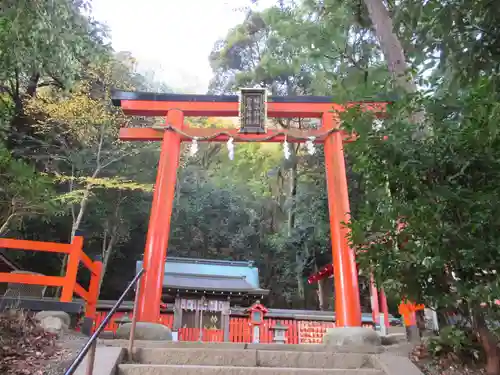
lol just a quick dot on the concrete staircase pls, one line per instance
(248, 360)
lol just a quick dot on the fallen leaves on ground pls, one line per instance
(442, 366)
(24, 346)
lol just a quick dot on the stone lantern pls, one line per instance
(279, 333)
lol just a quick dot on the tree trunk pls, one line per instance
(321, 290)
(390, 44)
(292, 193)
(301, 293)
(108, 245)
(33, 84)
(107, 250)
(74, 228)
(489, 344)
(83, 205)
(395, 56)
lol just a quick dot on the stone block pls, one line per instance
(145, 331)
(196, 356)
(351, 336)
(324, 360)
(137, 369)
(55, 314)
(53, 324)
(394, 338)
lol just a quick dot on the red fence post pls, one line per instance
(72, 269)
(95, 279)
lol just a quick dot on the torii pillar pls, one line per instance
(155, 252)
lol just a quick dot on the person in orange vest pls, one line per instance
(407, 309)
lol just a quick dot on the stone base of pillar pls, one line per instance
(145, 331)
(351, 336)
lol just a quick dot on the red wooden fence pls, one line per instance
(292, 334)
(68, 282)
(240, 329)
(193, 334)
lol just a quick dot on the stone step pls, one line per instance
(130, 369)
(171, 344)
(251, 358)
(234, 346)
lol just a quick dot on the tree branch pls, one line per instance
(114, 160)
(73, 214)
(6, 223)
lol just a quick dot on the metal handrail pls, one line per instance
(92, 340)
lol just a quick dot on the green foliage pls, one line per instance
(296, 49)
(442, 186)
(287, 50)
(55, 75)
(457, 38)
(24, 193)
(43, 45)
(457, 343)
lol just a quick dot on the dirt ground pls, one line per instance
(430, 366)
(69, 345)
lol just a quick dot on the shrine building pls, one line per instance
(201, 292)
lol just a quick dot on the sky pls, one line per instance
(172, 37)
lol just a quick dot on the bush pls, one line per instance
(458, 343)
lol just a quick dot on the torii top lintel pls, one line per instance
(154, 104)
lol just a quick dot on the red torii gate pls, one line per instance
(175, 107)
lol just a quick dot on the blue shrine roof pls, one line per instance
(212, 275)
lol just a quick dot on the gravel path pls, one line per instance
(70, 344)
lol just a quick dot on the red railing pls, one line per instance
(68, 282)
(112, 325)
(208, 335)
(240, 330)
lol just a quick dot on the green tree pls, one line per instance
(442, 186)
(286, 49)
(24, 193)
(43, 43)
